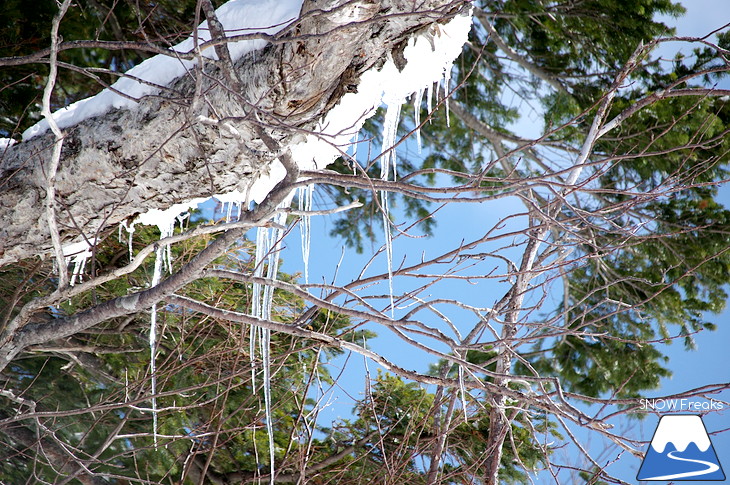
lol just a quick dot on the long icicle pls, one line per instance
(417, 101)
(273, 270)
(388, 246)
(388, 161)
(304, 201)
(162, 254)
(267, 249)
(261, 250)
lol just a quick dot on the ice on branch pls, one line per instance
(165, 222)
(304, 199)
(268, 245)
(77, 254)
(429, 57)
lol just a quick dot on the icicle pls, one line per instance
(261, 249)
(429, 98)
(447, 87)
(302, 229)
(462, 392)
(163, 258)
(388, 159)
(304, 198)
(130, 232)
(268, 297)
(77, 254)
(253, 337)
(266, 358)
(390, 129)
(417, 100)
(153, 368)
(267, 248)
(388, 246)
(168, 258)
(153, 344)
(79, 262)
(164, 252)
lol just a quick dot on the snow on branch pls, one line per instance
(140, 146)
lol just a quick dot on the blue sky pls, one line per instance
(709, 364)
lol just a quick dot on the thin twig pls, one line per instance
(56, 154)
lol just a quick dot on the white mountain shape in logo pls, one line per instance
(680, 430)
(680, 450)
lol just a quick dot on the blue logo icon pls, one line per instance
(681, 450)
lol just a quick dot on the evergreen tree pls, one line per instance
(620, 195)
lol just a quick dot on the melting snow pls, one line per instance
(429, 59)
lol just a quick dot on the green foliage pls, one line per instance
(628, 294)
(625, 298)
(592, 477)
(399, 422)
(572, 39)
(209, 403)
(629, 300)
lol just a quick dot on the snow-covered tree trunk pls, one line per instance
(166, 149)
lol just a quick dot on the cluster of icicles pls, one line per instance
(266, 266)
(266, 262)
(429, 57)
